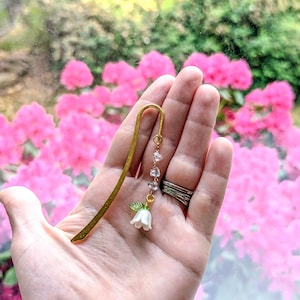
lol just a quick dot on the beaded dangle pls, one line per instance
(143, 218)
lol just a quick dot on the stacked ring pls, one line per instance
(178, 192)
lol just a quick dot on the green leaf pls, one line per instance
(225, 94)
(136, 206)
(4, 256)
(239, 98)
(10, 277)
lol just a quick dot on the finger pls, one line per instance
(208, 196)
(185, 167)
(23, 209)
(176, 107)
(117, 155)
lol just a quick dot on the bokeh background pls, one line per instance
(38, 38)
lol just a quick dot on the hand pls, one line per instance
(118, 261)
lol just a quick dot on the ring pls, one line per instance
(178, 192)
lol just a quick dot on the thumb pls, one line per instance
(23, 209)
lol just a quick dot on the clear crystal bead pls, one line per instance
(157, 156)
(153, 186)
(155, 172)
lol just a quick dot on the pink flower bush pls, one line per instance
(46, 179)
(268, 109)
(265, 213)
(81, 141)
(261, 212)
(76, 74)
(218, 70)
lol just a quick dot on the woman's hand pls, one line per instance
(118, 261)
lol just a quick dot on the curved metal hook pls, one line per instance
(88, 228)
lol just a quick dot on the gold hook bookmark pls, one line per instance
(158, 137)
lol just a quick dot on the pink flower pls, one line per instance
(256, 98)
(217, 70)
(292, 161)
(33, 123)
(220, 71)
(266, 110)
(5, 229)
(46, 179)
(85, 103)
(155, 64)
(278, 121)
(102, 94)
(289, 138)
(240, 76)
(76, 74)
(214, 68)
(10, 150)
(199, 60)
(112, 71)
(248, 123)
(89, 103)
(10, 292)
(81, 142)
(121, 73)
(123, 95)
(66, 104)
(279, 94)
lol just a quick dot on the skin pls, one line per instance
(118, 261)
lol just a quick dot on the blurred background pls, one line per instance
(38, 38)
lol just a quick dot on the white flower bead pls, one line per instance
(142, 219)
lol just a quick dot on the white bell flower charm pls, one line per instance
(142, 219)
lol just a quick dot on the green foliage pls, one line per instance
(26, 27)
(10, 278)
(4, 256)
(263, 32)
(89, 34)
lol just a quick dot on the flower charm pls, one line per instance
(142, 219)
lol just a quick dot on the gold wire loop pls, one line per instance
(150, 198)
(157, 139)
(89, 227)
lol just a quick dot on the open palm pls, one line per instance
(118, 261)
